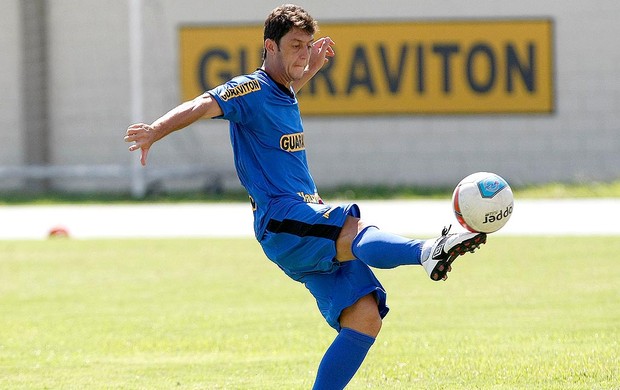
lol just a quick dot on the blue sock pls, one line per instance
(342, 359)
(385, 250)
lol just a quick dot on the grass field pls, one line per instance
(522, 313)
(345, 192)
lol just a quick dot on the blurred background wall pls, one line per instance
(66, 79)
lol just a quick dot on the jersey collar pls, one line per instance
(282, 87)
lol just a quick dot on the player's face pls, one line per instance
(293, 54)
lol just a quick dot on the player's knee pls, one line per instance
(374, 323)
(363, 316)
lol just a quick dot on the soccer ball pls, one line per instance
(482, 202)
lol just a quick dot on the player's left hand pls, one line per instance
(322, 50)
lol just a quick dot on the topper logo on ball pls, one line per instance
(492, 217)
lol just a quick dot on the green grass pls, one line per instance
(544, 191)
(346, 192)
(522, 313)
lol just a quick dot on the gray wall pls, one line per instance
(89, 98)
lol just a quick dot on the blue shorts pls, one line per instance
(301, 239)
(340, 289)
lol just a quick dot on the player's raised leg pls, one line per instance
(381, 249)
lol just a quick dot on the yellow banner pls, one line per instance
(442, 67)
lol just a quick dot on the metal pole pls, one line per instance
(138, 173)
(34, 87)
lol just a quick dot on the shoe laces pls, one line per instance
(446, 230)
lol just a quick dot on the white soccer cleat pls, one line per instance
(438, 254)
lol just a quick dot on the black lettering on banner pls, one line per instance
(235, 65)
(325, 75)
(360, 74)
(420, 68)
(527, 71)
(392, 76)
(446, 51)
(481, 51)
(243, 61)
(520, 67)
(204, 63)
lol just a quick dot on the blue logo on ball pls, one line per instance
(491, 186)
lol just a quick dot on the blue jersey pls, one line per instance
(294, 228)
(266, 133)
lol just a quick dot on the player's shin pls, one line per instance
(342, 359)
(381, 249)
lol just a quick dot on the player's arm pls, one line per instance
(320, 53)
(143, 135)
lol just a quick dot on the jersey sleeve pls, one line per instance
(237, 98)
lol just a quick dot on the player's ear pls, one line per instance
(270, 46)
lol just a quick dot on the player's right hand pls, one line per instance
(141, 135)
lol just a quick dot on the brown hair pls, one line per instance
(284, 18)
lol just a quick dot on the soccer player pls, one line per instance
(327, 248)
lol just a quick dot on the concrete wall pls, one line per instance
(10, 86)
(90, 98)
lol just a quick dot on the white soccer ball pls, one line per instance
(482, 202)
